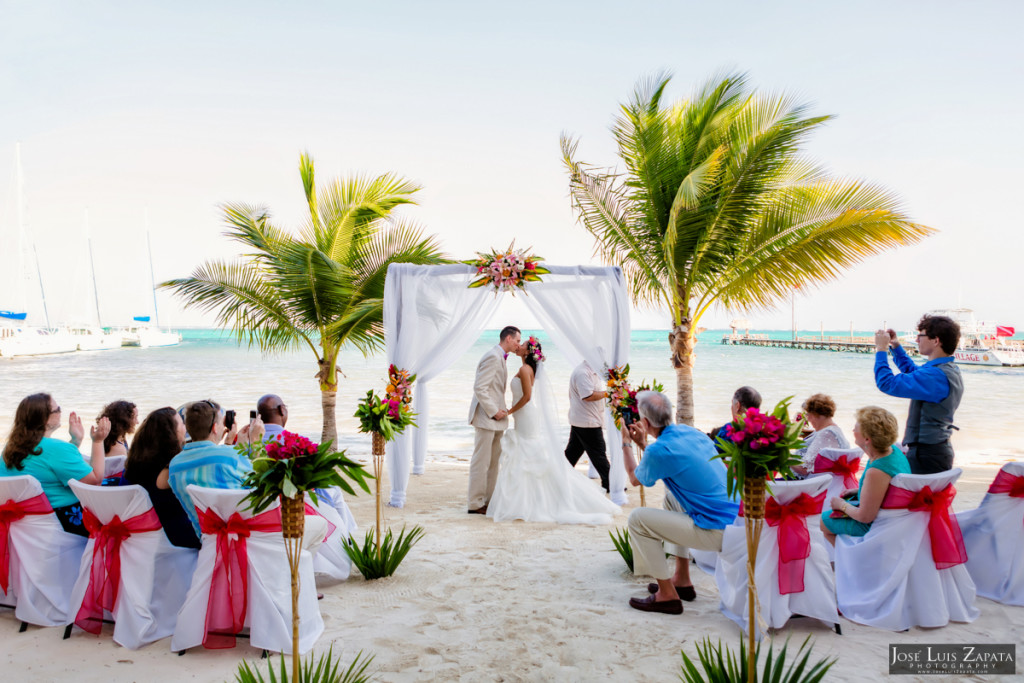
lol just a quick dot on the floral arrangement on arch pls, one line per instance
(294, 465)
(506, 270)
(622, 397)
(760, 444)
(390, 414)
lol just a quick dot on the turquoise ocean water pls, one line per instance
(209, 364)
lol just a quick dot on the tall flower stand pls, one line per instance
(293, 522)
(378, 471)
(753, 520)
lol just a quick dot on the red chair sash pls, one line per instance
(105, 571)
(947, 542)
(310, 510)
(846, 468)
(11, 512)
(229, 585)
(1008, 483)
(794, 537)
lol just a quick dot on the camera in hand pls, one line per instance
(252, 414)
(628, 418)
(229, 419)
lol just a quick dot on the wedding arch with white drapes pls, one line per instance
(432, 317)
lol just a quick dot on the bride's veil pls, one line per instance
(547, 414)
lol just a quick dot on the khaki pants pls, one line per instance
(653, 532)
(483, 468)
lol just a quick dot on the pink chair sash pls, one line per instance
(229, 585)
(947, 542)
(105, 571)
(847, 468)
(1008, 483)
(794, 538)
(10, 512)
(310, 510)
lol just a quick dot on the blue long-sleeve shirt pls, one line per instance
(924, 383)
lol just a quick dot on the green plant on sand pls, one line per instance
(325, 669)
(620, 537)
(719, 664)
(376, 564)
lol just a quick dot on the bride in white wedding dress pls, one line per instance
(535, 481)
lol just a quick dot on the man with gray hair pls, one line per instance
(696, 506)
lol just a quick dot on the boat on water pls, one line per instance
(94, 338)
(982, 342)
(145, 335)
(17, 339)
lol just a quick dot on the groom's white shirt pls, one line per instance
(489, 391)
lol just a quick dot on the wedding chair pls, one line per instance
(792, 571)
(331, 559)
(994, 538)
(242, 580)
(113, 465)
(842, 464)
(909, 569)
(38, 560)
(130, 573)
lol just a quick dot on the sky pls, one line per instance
(144, 117)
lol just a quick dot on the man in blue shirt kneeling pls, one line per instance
(696, 507)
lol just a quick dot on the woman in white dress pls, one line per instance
(535, 481)
(819, 410)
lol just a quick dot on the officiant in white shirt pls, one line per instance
(586, 420)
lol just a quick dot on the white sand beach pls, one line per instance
(479, 601)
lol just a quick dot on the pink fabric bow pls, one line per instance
(794, 538)
(310, 510)
(229, 584)
(105, 572)
(947, 542)
(10, 512)
(840, 466)
(1008, 483)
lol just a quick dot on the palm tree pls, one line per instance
(322, 289)
(718, 207)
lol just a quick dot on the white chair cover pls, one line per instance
(994, 537)
(155, 575)
(269, 611)
(836, 485)
(44, 559)
(331, 558)
(888, 579)
(112, 464)
(818, 598)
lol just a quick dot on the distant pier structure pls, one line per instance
(813, 343)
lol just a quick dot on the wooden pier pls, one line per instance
(820, 343)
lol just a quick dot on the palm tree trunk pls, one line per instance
(328, 376)
(682, 341)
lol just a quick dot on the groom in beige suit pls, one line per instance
(489, 417)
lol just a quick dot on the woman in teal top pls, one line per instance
(31, 450)
(875, 433)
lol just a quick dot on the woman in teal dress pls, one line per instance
(875, 432)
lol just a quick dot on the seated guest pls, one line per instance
(204, 461)
(159, 439)
(696, 506)
(819, 410)
(274, 415)
(742, 400)
(124, 417)
(30, 449)
(875, 432)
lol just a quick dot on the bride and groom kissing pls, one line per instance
(523, 473)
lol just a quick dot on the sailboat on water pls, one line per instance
(90, 335)
(17, 338)
(143, 332)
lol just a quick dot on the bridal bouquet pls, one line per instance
(506, 270)
(390, 414)
(622, 397)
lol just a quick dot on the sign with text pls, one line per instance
(945, 659)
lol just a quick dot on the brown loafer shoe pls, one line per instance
(479, 511)
(686, 593)
(649, 604)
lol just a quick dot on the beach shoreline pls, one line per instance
(479, 601)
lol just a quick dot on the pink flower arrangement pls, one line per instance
(758, 431)
(760, 445)
(506, 270)
(290, 446)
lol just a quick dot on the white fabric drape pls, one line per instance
(431, 318)
(585, 310)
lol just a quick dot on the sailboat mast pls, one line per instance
(92, 269)
(20, 184)
(152, 278)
